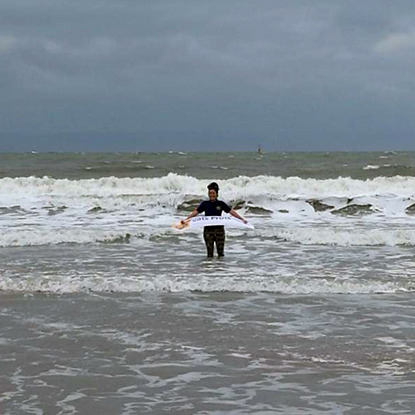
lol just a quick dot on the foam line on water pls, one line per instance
(339, 237)
(329, 236)
(230, 283)
(112, 186)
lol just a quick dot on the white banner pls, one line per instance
(201, 221)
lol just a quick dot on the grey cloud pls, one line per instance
(318, 75)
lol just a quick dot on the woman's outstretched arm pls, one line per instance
(237, 215)
(192, 214)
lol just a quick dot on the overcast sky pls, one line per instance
(141, 75)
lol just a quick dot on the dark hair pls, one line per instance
(213, 186)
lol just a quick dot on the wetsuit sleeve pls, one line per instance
(226, 208)
(201, 208)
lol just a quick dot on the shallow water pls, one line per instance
(208, 353)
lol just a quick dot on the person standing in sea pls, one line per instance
(214, 207)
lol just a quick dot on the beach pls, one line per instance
(105, 308)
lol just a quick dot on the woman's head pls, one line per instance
(213, 190)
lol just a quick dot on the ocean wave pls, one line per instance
(98, 284)
(330, 236)
(36, 237)
(371, 167)
(336, 237)
(231, 188)
(103, 187)
(391, 170)
(7, 210)
(173, 194)
(46, 211)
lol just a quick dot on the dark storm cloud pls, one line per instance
(298, 75)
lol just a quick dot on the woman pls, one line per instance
(213, 207)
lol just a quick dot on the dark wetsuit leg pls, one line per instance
(209, 237)
(220, 240)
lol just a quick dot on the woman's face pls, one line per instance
(212, 195)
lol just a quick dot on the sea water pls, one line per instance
(105, 308)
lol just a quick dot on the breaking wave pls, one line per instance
(339, 237)
(242, 185)
(330, 236)
(71, 284)
(45, 211)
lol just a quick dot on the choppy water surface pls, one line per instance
(106, 308)
(207, 165)
(208, 353)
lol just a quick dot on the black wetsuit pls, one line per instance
(214, 234)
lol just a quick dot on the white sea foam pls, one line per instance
(73, 284)
(389, 195)
(328, 235)
(340, 237)
(56, 211)
(242, 185)
(44, 236)
(103, 187)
